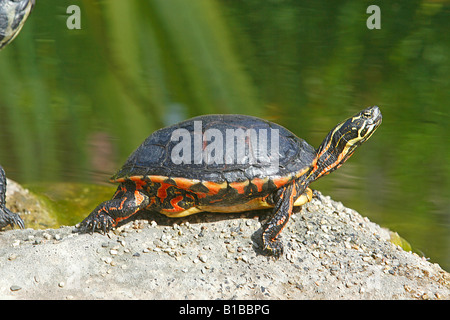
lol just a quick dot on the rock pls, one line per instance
(34, 210)
(15, 288)
(331, 252)
(203, 258)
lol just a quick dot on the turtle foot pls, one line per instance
(97, 221)
(10, 218)
(273, 248)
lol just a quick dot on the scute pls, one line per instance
(153, 156)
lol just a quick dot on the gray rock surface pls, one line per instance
(331, 252)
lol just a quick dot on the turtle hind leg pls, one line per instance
(127, 201)
(284, 204)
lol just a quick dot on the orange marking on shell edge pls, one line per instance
(259, 183)
(184, 183)
(239, 186)
(213, 187)
(157, 179)
(281, 181)
(136, 179)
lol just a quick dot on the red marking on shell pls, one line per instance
(281, 181)
(138, 198)
(239, 186)
(140, 184)
(259, 183)
(175, 206)
(213, 187)
(184, 183)
(201, 195)
(162, 190)
(157, 179)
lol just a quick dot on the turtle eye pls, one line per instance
(367, 114)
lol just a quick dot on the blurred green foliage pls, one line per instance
(75, 103)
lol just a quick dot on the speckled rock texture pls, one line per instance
(331, 252)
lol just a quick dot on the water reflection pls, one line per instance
(75, 103)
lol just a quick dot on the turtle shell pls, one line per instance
(262, 157)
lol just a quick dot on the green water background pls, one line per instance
(75, 103)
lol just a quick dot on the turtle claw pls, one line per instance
(317, 195)
(274, 248)
(19, 222)
(97, 221)
(10, 218)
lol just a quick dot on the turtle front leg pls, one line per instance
(284, 204)
(128, 200)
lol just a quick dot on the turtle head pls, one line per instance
(342, 141)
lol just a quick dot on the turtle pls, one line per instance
(6, 216)
(13, 14)
(222, 163)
